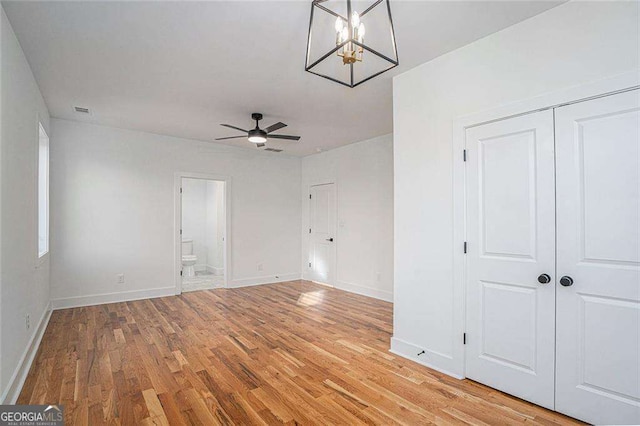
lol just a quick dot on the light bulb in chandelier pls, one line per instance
(361, 32)
(355, 19)
(344, 34)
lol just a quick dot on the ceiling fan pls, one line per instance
(259, 136)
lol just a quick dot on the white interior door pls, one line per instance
(322, 252)
(598, 316)
(510, 315)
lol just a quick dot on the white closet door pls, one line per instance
(598, 316)
(510, 317)
(322, 253)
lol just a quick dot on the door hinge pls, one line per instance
(464, 338)
(309, 264)
(464, 155)
(181, 190)
(309, 196)
(309, 230)
(181, 232)
(180, 273)
(465, 246)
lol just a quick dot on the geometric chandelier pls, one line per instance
(336, 47)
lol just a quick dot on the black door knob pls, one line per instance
(566, 281)
(544, 279)
(330, 239)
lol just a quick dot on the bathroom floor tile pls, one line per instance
(202, 281)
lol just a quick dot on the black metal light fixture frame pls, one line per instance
(393, 62)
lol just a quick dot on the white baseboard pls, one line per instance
(11, 393)
(268, 279)
(100, 299)
(387, 296)
(411, 351)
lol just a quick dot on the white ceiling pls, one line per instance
(182, 68)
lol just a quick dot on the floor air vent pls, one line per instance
(273, 150)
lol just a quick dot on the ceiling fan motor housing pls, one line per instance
(257, 135)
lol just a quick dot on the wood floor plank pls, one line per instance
(286, 353)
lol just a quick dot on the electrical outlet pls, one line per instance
(28, 321)
(260, 267)
(120, 278)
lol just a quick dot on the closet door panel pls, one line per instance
(510, 321)
(598, 219)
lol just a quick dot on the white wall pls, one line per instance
(113, 211)
(572, 44)
(24, 288)
(363, 174)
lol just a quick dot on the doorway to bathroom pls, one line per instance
(202, 224)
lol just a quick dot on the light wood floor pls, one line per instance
(283, 353)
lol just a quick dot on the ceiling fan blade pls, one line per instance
(292, 138)
(234, 127)
(259, 145)
(230, 137)
(275, 127)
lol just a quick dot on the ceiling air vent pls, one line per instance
(273, 150)
(81, 110)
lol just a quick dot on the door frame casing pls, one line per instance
(605, 87)
(336, 237)
(177, 251)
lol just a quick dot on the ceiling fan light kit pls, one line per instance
(336, 48)
(257, 136)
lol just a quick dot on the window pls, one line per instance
(43, 193)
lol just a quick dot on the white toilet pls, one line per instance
(188, 259)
